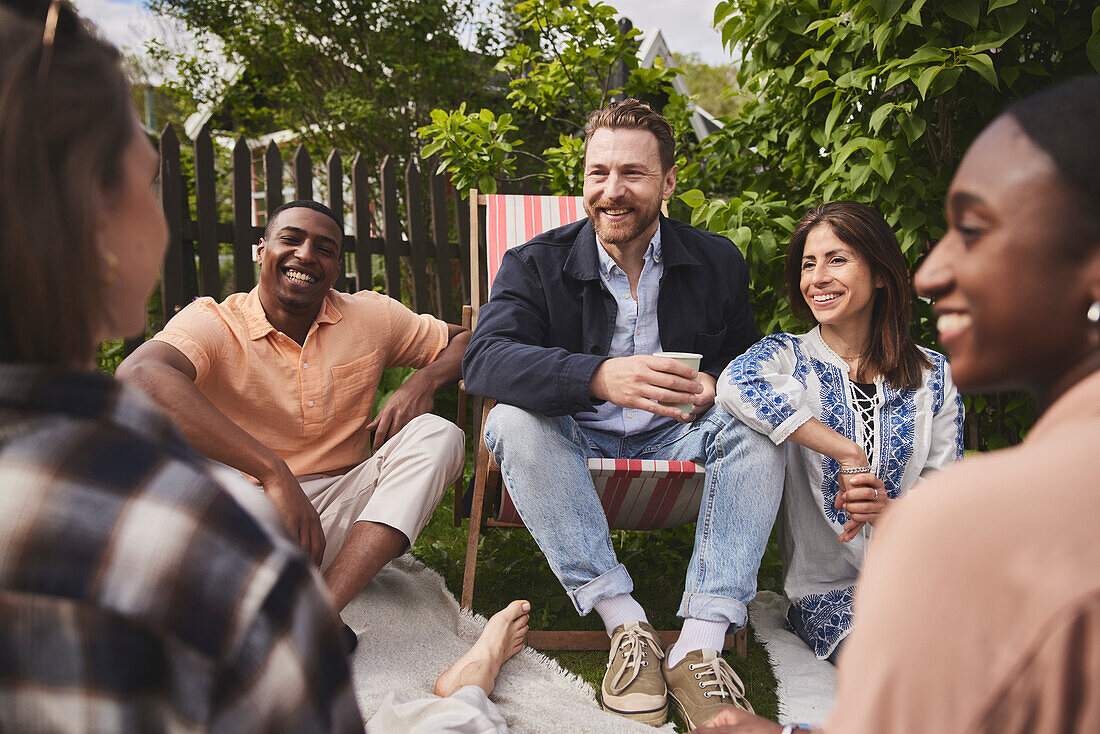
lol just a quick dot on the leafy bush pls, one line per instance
(873, 100)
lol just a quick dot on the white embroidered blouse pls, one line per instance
(780, 383)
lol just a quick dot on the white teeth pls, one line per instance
(825, 297)
(299, 277)
(614, 212)
(952, 322)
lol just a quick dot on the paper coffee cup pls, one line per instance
(691, 360)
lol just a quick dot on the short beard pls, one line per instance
(624, 234)
(295, 304)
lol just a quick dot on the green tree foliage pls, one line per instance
(714, 88)
(358, 75)
(571, 59)
(873, 100)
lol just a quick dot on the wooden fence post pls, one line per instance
(391, 229)
(360, 214)
(335, 169)
(462, 224)
(414, 215)
(171, 190)
(244, 276)
(443, 270)
(303, 174)
(273, 178)
(206, 216)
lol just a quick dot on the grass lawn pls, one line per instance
(510, 566)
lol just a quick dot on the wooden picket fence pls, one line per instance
(191, 266)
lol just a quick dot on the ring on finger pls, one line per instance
(876, 494)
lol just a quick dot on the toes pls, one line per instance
(518, 607)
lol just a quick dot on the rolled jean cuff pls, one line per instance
(611, 583)
(710, 608)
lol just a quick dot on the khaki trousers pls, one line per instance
(399, 486)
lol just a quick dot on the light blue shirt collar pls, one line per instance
(608, 264)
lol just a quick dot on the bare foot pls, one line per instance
(502, 638)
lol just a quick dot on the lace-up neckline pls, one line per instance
(862, 397)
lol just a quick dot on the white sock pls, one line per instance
(619, 609)
(698, 634)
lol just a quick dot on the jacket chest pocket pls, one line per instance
(710, 345)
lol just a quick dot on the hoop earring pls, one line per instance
(111, 274)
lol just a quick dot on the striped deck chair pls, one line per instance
(637, 494)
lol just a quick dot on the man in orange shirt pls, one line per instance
(278, 383)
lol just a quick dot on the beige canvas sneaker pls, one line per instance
(633, 685)
(701, 684)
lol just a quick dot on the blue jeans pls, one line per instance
(544, 464)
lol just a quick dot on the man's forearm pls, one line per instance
(446, 369)
(204, 426)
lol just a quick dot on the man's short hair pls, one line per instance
(630, 114)
(306, 203)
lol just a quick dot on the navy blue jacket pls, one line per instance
(549, 322)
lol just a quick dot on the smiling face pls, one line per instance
(624, 185)
(301, 260)
(836, 281)
(1010, 301)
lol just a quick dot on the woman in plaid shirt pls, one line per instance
(136, 591)
(139, 590)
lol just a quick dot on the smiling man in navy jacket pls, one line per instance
(566, 346)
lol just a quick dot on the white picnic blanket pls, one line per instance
(411, 629)
(806, 686)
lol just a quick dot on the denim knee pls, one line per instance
(506, 422)
(735, 435)
(503, 420)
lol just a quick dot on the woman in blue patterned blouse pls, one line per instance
(865, 412)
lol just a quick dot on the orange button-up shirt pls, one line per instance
(308, 404)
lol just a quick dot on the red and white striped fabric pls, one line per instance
(512, 220)
(639, 494)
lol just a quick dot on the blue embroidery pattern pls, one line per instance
(897, 433)
(935, 380)
(937, 385)
(827, 619)
(771, 406)
(836, 414)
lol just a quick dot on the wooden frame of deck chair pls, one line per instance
(637, 494)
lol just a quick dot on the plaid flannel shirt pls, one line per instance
(136, 594)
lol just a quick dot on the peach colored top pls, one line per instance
(979, 608)
(306, 403)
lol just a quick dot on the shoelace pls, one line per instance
(633, 644)
(720, 675)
